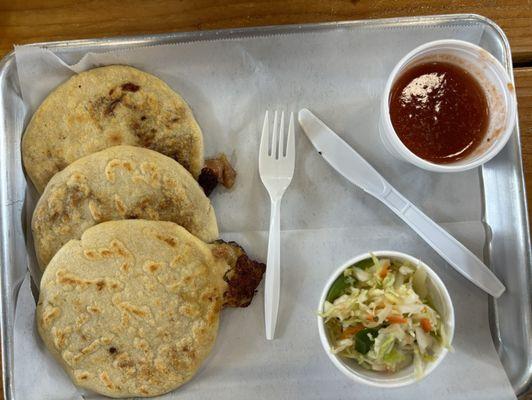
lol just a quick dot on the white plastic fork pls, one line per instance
(276, 168)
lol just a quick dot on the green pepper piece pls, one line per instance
(364, 264)
(362, 340)
(337, 288)
(341, 283)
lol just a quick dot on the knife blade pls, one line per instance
(352, 166)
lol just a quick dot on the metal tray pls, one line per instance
(507, 249)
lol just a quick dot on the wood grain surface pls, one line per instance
(27, 21)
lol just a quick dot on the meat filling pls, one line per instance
(217, 170)
(242, 278)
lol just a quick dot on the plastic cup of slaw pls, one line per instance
(442, 303)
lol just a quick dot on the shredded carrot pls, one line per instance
(384, 271)
(425, 324)
(394, 319)
(351, 331)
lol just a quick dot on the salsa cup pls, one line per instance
(492, 77)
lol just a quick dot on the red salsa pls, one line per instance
(439, 111)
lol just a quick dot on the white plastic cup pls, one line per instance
(442, 303)
(492, 77)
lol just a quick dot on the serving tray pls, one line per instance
(507, 249)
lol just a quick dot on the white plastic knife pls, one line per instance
(358, 171)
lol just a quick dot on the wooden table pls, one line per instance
(27, 21)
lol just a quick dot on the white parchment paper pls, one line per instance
(339, 74)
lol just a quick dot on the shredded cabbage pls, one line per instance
(384, 318)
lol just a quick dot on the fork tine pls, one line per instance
(265, 136)
(281, 149)
(274, 135)
(290, 142)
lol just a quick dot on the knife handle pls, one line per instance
(450, 249)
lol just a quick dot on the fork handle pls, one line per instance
(272, 283)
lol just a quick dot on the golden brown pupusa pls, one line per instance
(121, 182)
(105, 107)
(132, 308)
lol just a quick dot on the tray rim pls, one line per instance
(129, 41)
(132, 41)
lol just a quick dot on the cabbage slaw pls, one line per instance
(379, 313)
